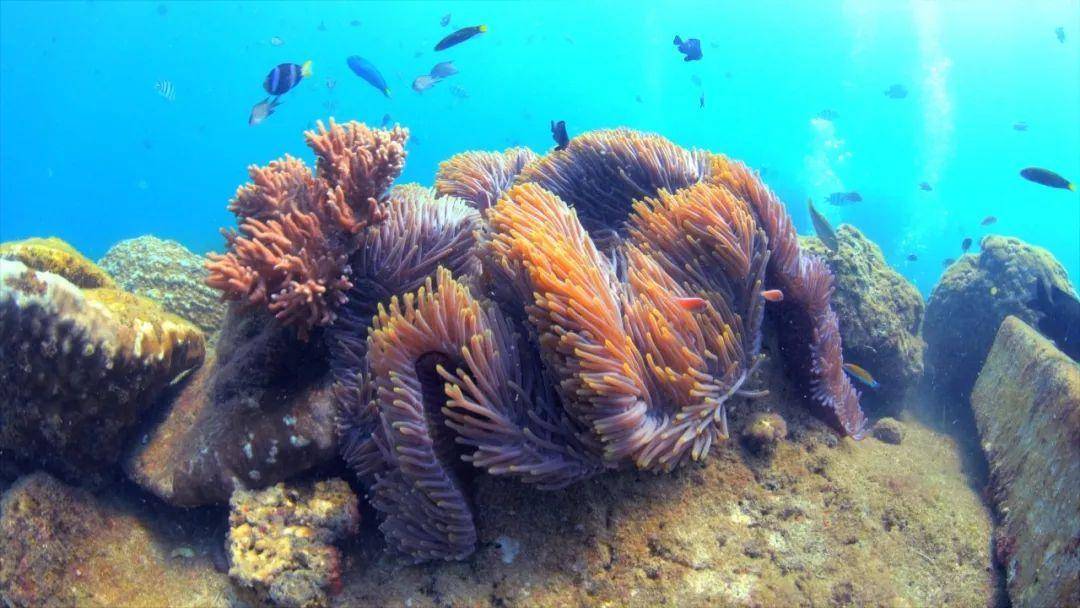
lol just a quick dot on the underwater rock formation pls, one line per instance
(879, 312)
(297, 229)
(973, 297)
(281, 541)
(481, 177)
(1027, 408)
(55, 256)
(167, 273)
(62, 546)
(79, 367)
(257, 412)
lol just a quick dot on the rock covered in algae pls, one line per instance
(281, 540)
(62, 546)
(1027, 408)
(880, 312)
(764, 432)
(257, 412)
(56, 256)
(973, 297)
(169, 274)
(79, 367)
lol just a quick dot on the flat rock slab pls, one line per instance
(1027, 407)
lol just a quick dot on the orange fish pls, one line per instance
(860, 374)
(693, 304)
(773, 295)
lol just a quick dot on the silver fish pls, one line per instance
(423, 83)
(262, 110)
(822, 227)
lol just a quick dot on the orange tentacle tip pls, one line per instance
(692, 304)
(773, 295)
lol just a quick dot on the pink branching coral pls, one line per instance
(481, 177)
(297, 229)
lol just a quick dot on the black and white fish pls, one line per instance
(165, 89)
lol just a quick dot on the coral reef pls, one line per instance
(1027, 408)
(809, 332)
(61, 546)
(297, 229)
(167, 273)
(970, 301)
(257, 412)
(481, 177)
(281, 541)
(888, 430)
(880, 312)
(79, 367)
(55, 256)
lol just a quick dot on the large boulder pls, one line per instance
(880, 312)
(79, 367)
(973, 297)
(1027, 408)
(171, 275)
(62, 546)
(56, 256)
(257, 412)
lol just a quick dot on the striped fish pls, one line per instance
(284, 77)
(165, 89)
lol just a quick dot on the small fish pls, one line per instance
(988, 221)
(322, 26)
(925, 186)
(558, 133)
(285, 76)
(701, 102)
(993, 291)
(331, 83)
(355, 23)
(1046, 178)
(444, 69)
(828, 114)
(165, 89)
(330, 105)
(947, 262)
(912, 257)
(692, 304)
(690, 48)
(423, 83)
(861, 375)
(1020, 126)
(822, 227)
(182, 552)
(840, 199)
(460, 36)
(459, 92)
(366, 70)
(694, 78)
(1060, 33)
(896, 91)
(276, 41)
(262, 110)
(638, 99)
(163, 10)
(385, 120)
(773, 295)
(445, 21)
(965, 244)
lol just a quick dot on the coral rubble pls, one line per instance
(167, 273)
(79, 367)
(973, 297)
(297, 229)
(880, 312)
(481, 177)
(281, 541)
(1027, 408)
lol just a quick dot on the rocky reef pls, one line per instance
(1027, 407)
(80, 366)
(880, 313)
(56, 256)
(281, 541)
(169, 274)
(973, 297)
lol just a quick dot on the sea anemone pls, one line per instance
(297, 229)
(481, 177)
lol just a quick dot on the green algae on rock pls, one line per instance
(880, 312)
(79, 367)
(62, 546)
(971, 300)
(1027, 408)
(281, 541)
(56, 256)
(169, 274)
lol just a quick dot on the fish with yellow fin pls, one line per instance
(861, 375)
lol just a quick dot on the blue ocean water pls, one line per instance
(91, 152)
